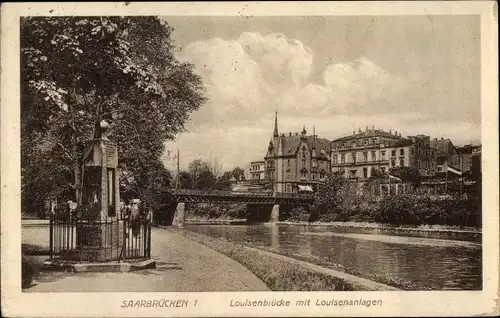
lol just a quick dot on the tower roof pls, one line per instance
(276, 125)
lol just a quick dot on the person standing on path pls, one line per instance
(135, 217)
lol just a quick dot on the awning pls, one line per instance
(454, 170)
(305, 188)
(395, 178)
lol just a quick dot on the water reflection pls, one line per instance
(448, 265)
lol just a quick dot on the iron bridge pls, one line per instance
(216, 196)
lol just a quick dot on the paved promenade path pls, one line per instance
(182, 266)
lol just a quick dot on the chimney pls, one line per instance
(353, 132)
(390, 131)
(366, 128)
(359, 130)
(442, 138)
(296, 134)
(373, 127)
(289, 134)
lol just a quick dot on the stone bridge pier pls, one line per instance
(179, 215)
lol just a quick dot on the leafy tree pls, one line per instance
(201, 175)
(77, 71)
(238, 173)
(223, 181)
(327, 198)
(185, 180)
(377, 174)
(405, 173)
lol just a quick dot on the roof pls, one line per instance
(368, 133)
(402, 143)
(291, 144)
(257, 161)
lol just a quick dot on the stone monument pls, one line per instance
(102, 235)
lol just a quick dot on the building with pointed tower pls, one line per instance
(296, 162)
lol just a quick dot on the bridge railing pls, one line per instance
(193, 192)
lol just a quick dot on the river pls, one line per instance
(439, 262)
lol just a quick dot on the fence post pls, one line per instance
(51, 234)
(149, 240)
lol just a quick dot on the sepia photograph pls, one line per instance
(164, 153)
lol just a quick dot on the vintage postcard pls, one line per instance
(249, 159)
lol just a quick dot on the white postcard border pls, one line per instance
(434, 303)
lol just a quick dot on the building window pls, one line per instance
(334, 159)
(288, 162)
(382, 169)
(411, 151)
(374, 156)
(401, 152)
(393, 162)
(303, 174)
(353, 144)
(383, 155)
(353, 173)
(322, 174)
(343, 145)
(393, 153)
(366, 142)
(313, 176)
(401, 162)
(365, 172)
(288, 187)
(303, 162)
(353, 155)
(374, 140)
(365, 156)
(342, 158)
(314, 163)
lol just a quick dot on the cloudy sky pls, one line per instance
(413, 74)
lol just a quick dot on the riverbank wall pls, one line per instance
(282, 273)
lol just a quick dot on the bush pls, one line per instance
(299, 214)
(418, 210)
(237, 211)
(28, 271)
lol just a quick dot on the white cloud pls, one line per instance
(247, 79)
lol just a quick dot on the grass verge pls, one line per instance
(252, 260)
(278, 275)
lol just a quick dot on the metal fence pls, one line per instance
(89, 240)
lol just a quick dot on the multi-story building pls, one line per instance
(464, 157)
(446, 154)
(257, 171)
(296, 162)
(360, 154)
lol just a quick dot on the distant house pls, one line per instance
(258, 171)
